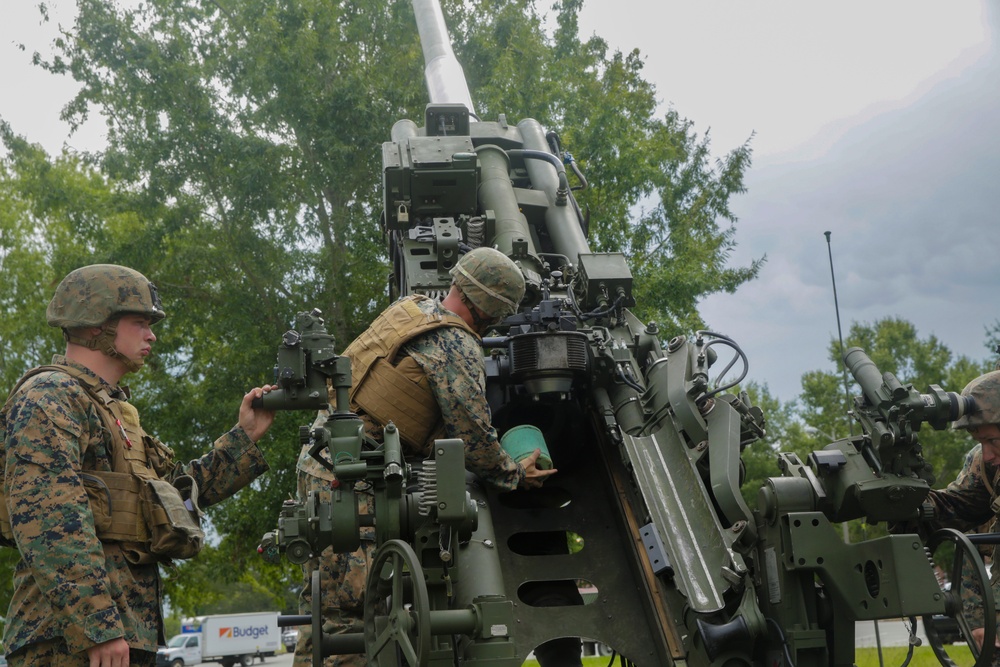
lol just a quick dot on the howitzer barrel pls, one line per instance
(444, 75)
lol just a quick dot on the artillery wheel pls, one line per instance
(397, 608)
(965, 551)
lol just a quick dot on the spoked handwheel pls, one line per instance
(966, 555)
(397, 608)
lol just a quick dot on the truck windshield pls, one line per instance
(177, 641)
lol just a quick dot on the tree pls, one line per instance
(242, 173)
(993, 342)
(48, 214)
(760, 458)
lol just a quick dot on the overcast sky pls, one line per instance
(877, 121)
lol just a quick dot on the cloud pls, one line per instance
(908, 196)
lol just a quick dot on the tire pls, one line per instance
(177, 663)
(246, 660)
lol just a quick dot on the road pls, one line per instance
(891, 633)
(283, 660)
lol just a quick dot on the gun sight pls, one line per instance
(886, 394)
(306, 362)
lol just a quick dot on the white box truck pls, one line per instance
(230, 639)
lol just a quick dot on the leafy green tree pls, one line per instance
(654, 195)
(47, 214)
(211, 584)
(760, 458)
(993, 342)
(242, 173)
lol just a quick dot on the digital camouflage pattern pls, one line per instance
(452, 361)
(91, 295)
(986, 390)
(343, 575)
(69, 586)
(490, 280)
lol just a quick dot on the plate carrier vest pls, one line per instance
(386, 390)
(135, 458)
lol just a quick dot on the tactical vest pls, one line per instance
(388, 390)
(114, 496)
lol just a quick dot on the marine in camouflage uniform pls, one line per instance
(973, 499)
(444, 361)
(76, 596)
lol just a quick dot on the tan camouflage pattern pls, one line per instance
(490, 280)
(89, 296)
(69, 586)
(343, 575)
(986, 390)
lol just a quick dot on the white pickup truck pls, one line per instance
(230, 639)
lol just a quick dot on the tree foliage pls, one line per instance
(242, 176)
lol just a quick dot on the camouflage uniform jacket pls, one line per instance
(452, 362)
(68, 583)
(966, 504)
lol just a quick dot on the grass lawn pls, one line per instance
(923, 656)
(892, 656)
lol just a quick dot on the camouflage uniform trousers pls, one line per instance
(54, 653)
(342, 584)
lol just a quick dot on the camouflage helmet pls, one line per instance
(985, 389)
(91, 295)
(490, 280)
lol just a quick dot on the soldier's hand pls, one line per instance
(255, 421)
(978, 634)
(534, 476)
(113, 653)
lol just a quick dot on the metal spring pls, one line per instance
(427, 480)
(476, 231)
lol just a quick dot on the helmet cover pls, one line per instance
(985, 389)
(490, 280)
(92, 295)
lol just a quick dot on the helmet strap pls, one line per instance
(481, 324)
(104, 342)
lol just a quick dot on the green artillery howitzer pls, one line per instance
(642, 542)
